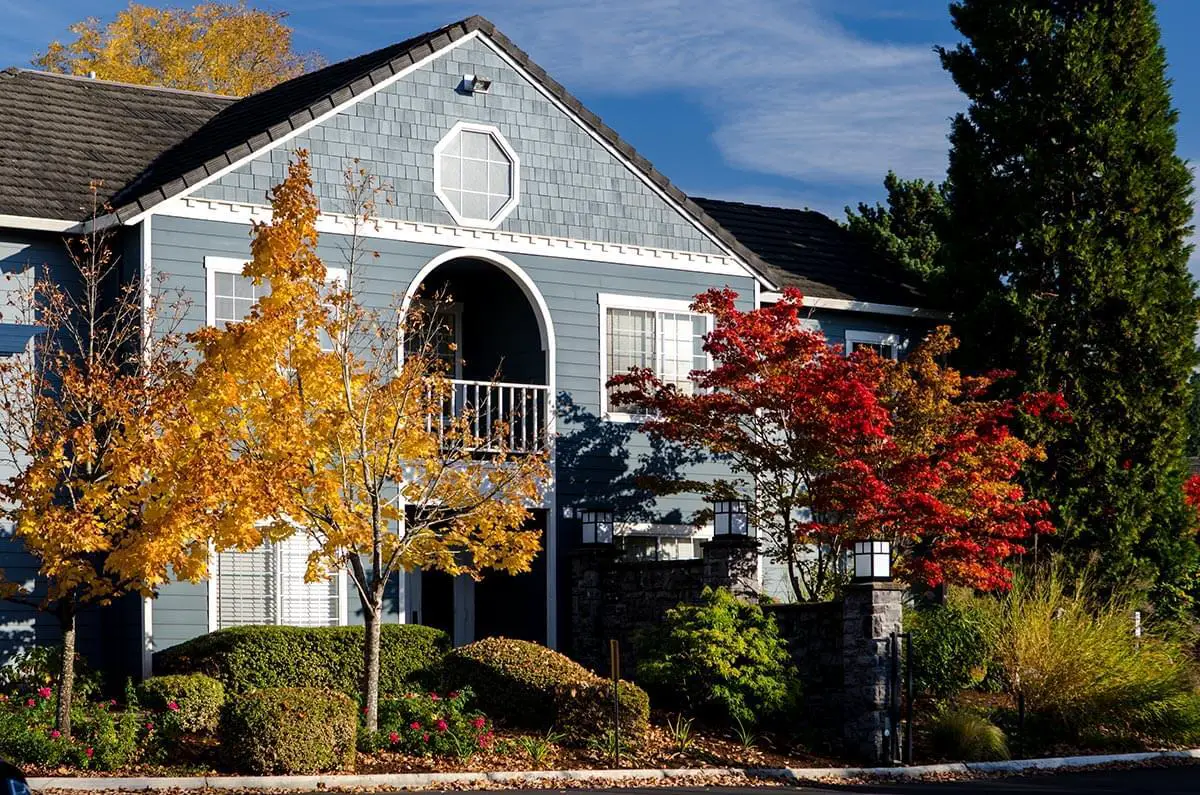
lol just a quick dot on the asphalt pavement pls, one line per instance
(1178, 780)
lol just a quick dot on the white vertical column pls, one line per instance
(464, 610)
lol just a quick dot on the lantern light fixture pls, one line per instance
(597, 525)
(872, 561)
(731, 518)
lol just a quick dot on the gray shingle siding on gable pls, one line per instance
(571, 186)
(594, 456)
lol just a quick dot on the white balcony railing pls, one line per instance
(521, 410)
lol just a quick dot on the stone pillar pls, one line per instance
(732, 562)
(871, 612)
(590, 565)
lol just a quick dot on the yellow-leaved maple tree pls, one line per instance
(222, 48)
(89, 411)
(336, 425)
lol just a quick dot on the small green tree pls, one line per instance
(909, 230)
(723, 658)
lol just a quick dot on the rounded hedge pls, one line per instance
(529, 686)
(197, 698)
(284, 730)
(253, 657)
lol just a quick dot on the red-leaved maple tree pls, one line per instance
(836, 448)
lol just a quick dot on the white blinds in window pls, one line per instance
(266, 586)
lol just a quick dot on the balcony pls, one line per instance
(521, 410)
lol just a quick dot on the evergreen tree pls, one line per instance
(1068, 249)
(909, 229)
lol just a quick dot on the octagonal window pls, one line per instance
(476, 175)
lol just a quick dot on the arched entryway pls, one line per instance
(504, 337)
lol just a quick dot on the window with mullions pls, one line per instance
(669, 341)
(475, 175)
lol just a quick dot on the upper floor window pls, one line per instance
(662, 335)
(886, 345)
(476, 175)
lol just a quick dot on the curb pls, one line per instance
(418, 780)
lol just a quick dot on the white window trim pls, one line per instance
(609, 301)
(214, 596)
(854, 338)
(513, 200)
(213, 266)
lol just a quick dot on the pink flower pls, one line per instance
(453, 694)
(434, 697)
(414, 725)
(45, 692)
(173, 706)
(149, 727)
(112, 703)
(54, 735)
(31, 703)
(425, 737)
(90, 753)
(479, 722)
(485, 740)
(394, 738)
(441, 725)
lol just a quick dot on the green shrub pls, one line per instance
(36, 667)
(248, 658)
(431, 724)
(1078, 666)
(289, 730)
(529, 686)
(950, 648)
(105, 737)
(963, 736)
(190, 702)
(723, 658)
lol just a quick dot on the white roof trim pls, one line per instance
(189, 190)
(39, 224)
(842, 305)
(281, 140)
(458, 237)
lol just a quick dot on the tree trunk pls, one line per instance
(66, 675)
(370, 683)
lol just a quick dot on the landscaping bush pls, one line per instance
(35, 667)
(963, 736)
(723, 658)
(248, 658)
(105, 737)
(1079, 667)
(529, 686)
(950, 647)
(191, 702)
(431, 724)
(289, 730)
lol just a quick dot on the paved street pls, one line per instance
(1184, 780)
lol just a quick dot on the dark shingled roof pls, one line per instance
(59, 133)
(147, 144)
(812, 252)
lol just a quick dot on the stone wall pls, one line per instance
(841, 649)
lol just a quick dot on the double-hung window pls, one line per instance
(264, 585)
(886, 345)
(660, 334)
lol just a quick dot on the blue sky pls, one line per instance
(789, 102)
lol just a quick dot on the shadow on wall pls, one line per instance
(596, 465)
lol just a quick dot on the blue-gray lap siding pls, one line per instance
(595, 457)
(22, 256)
(570, 185)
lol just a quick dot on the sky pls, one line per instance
(799, 103)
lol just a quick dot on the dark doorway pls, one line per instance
(514, 606)
(437, 601)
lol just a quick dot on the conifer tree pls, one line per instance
(1068, 250)
(909, 229)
